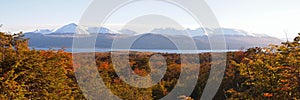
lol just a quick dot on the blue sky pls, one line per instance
(271, 17)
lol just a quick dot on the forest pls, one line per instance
(271, 72)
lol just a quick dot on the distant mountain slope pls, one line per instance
(149, 41)
(44, 31)
(157, 39)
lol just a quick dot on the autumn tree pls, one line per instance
(269, 73)
(33, 74)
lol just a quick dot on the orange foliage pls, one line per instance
(104, 65)
(139, 72)
(268, 95)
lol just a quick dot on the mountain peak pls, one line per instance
(72, 24)
(70, 28)
(73, 28)
(43, 31)
(98, 30)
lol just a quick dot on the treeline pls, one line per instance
(265, 73)
(34, 74)
(259, 73)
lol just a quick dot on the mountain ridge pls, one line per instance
(234, 39)
(72, 28)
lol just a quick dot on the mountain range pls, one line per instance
(155, 39)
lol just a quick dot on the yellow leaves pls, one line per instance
(33, 71)
(259, 61)
(231, 91)
(271, 68)
(275, 72)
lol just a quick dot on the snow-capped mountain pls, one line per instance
(70, 28)
(127, 31)
(98, 30)
(201, 32)
(196, 32)
(168, 31)
(172, 31)
(44, 31)
(73, 28)
(63, 37)
(260, 35)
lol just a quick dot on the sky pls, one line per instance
(272, 17)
